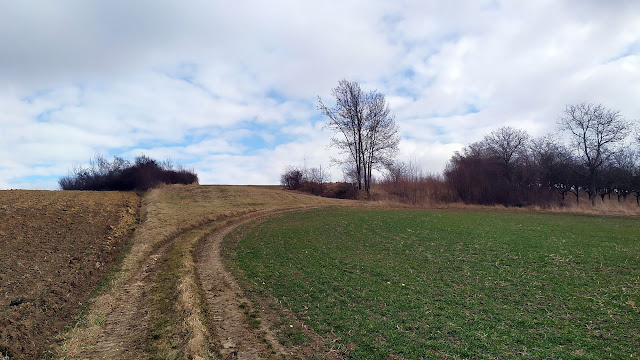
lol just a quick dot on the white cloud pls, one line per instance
(230, 87)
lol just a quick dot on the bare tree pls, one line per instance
(619, 173)
(364, 129)
(397, 171)
(553, 165)
(595, 131)
(507, 144)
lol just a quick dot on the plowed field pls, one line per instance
(55, 247)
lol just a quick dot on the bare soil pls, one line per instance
(55, 247)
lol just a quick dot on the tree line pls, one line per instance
(509, 167)
(506, 167)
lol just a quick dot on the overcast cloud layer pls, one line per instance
(230, 88)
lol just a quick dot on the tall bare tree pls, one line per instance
(553, 165)
(506, 144)
(595, 131)
(364, 129)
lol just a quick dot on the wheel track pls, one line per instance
(124, 329)
(224, 299)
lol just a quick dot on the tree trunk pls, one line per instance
(592, 186)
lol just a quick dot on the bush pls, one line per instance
(407, 183)
(292, 178)
(314, 181)
(121, 175)
(341, 190)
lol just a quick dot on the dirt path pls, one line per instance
(123, 333)
(227, 305)
(120, 328)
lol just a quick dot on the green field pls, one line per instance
(454, 284)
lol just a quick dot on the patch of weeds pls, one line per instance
(99, 321)
(292, 336)
(251, 316)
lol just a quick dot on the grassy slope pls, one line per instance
(455, 284)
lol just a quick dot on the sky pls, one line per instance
(230, 88)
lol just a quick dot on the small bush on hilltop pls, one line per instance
(121, 175)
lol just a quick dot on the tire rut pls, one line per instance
(225, 301)
(124, 329)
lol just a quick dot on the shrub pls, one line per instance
(292, 178)
(314, 181)
(121, 175)
(341, 190)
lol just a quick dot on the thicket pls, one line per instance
(315, 181)
(407, 183)
(541, 171)
(119, 174)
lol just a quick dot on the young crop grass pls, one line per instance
(454, 284)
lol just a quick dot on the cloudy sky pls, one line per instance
(230, 88)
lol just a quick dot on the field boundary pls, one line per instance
(277, 324)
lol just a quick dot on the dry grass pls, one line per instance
(610, 207)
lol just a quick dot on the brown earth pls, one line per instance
(55, 247)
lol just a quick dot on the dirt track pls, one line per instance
(126, 323)
(173, 296)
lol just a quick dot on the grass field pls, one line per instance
(453, 284)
